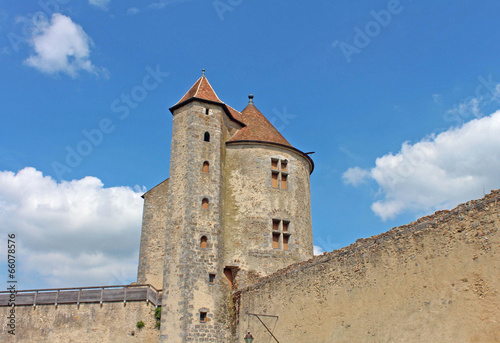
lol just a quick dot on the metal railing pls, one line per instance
(82, 295)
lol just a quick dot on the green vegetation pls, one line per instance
(158, 317)
(140, 324)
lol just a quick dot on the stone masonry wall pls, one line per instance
(187, 291)
(252, 204)
(154, 227)
(434, 280)
(90, 323)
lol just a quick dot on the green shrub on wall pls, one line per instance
(140, 324)
(158, 317)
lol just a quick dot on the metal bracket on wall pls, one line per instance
(260, 320)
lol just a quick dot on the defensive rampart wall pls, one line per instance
(434, 280)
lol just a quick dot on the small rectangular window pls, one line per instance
(284, 181)
(274, 180)
(211, 279)
(279, 173)
(285, 242)
(274, 164)
(283, 166)
(281, 234)
(276, 240)
(276, 225)
(203, 317)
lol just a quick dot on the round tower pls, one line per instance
(267, 200)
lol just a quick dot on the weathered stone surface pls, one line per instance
(434, 280)
(151, 256)
(90, 323)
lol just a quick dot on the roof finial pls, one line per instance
(203, 72)
(250, 99)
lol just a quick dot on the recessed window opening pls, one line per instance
(203, 317)
(206, 137)
(274, 164)
(276, 240)
(276, 224)
(279, 173)
(207, 111)
(204, 204)
(206, 167)
(203, 242)
(285, 241)
(274, 179)
(230, 273)
(211, 279)
(281, 234)
(284, 184)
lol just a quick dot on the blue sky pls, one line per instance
(398, 100)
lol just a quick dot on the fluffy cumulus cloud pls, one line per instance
(438, 172)
(72, 233)
(102, 4)
(61, 46)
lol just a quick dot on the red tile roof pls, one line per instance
(202, 90)
(257, 128)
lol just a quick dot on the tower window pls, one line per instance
(204, 204)
(203, 317)
(279, 174)
(285, 241)
(206, 137)
(203, 242)
(207, 111)
(281, 234)
(211, 279)
(206, 167)
(274, 179)
(276, 240)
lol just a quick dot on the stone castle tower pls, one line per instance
(235, 207)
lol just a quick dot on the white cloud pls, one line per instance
(61, 46)
(164, 3)
(317, 250)
(438, 172)
(102, 4)
(355, 176)
(133, 11)
(73, 233)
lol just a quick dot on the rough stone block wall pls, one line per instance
(434, 280)
(187, 291)
(154, 228)
(90, 323)
(252, 204)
